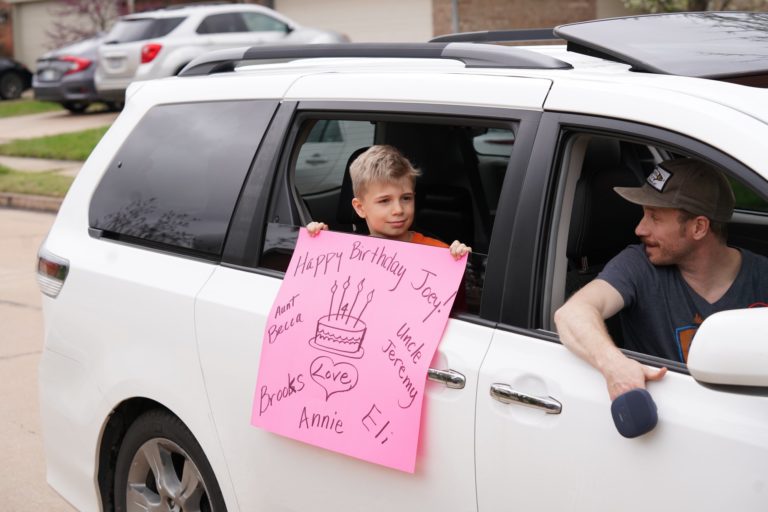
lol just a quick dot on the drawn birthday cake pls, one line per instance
(342, 332)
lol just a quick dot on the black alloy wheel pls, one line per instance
(76, 107)
(11, 85)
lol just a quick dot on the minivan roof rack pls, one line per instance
(472, 55)
(498, 36)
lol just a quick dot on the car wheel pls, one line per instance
(76, 107)
(115, 106)
(11, 85)
(161, 466)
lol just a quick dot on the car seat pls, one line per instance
(450, 199)
(602, 223)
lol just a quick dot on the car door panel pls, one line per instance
(576, 460)
(271, 472)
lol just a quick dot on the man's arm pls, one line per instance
(581, 324)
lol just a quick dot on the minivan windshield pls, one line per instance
(138, 29)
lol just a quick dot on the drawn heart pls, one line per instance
(333, 377)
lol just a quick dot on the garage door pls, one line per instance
(30, 21)
(388, 21)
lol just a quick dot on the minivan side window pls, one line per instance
(174, 182)
(456, 194)
(595, 223)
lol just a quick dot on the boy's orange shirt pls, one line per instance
(418, 238)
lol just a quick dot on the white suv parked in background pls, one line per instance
(162, 266)
(160, 43)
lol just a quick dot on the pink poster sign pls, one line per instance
(348, 344)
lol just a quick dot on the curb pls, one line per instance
(28, 202)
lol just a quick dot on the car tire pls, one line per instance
(115, 106)
(161, 466)
(76, 107)
(11, 85)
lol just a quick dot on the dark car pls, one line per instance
(65, 75)
(15, 78)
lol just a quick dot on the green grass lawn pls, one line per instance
(67, 146)
(21, 107)
(34, 183)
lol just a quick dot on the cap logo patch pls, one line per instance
(658, 178)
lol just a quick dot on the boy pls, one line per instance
(383, 184)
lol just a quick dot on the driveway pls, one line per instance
(23, 487)
(22, 467)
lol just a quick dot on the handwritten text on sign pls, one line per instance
(348, 343)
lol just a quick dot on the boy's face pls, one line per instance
(387, 208)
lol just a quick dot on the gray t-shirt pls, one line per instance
(662, 313)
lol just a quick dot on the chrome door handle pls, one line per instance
(450, 378)
(505, 394)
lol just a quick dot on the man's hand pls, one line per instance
(313, 228)
(458, 249)
(623, 374)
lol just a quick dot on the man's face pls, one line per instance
(387, 208)
(666, 239)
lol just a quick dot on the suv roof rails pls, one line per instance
(499, 36)
(472, 55)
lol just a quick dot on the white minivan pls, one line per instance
(171, 245)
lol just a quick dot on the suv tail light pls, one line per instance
(52, 271)
(76, 64)
(149, 52)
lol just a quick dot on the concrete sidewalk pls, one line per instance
(65, 167)
(51, 123)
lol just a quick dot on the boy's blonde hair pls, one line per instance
(380, 163)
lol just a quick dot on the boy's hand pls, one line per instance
(458, 249)
(315, 227)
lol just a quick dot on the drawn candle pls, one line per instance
(359, 289)
(333, 293)
(370, 298)
(344, 286)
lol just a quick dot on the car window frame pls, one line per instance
(546, 164)
(243, 252)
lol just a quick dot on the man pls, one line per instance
(665, 287)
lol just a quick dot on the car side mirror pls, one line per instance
(730, 348)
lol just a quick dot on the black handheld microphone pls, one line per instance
(634, 413)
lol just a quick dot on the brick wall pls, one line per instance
(6, 30)
(477, 15)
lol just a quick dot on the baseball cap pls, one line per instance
(686, 184)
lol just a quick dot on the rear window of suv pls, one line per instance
(174, 182)
(139, 29)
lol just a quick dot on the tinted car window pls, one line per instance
(138, 29)
(222, 23)
(176, 178)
